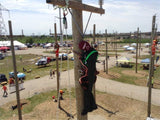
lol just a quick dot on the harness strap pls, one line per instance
(89, 55)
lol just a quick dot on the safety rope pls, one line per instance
(87, 23)
(82, 34)
(76, 23)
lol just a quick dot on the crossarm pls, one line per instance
(77, 5)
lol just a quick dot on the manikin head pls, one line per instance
(83, 45)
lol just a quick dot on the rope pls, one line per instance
(76, 23)
(87, 23)
(82, 34)
(68, 66)
(69, 86)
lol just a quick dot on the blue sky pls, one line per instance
(37, 17)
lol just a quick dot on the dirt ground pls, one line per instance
(142, 75)
(110, 107)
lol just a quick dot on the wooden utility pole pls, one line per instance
(106, 53)
(150, 69)
(77, 29)
(130, 39)
(22, 33)
(60, 25)
(94, 32)
(94, 38)
(137, 49)
(15, 71)
(77, 37)
(155, 34)
(57, 66)
(140, 37)
(116, 49)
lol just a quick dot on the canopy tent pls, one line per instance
(147, 44)
(124, 59)
(4, 48)
(16, 44)
(49, 45)
(130, 48)
(126, 46)
(145, 61)
(133, 44)
(70, 55)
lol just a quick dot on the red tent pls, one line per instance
(4, 48)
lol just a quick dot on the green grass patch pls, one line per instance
(144, 56)
(124, 77)
(28, 62)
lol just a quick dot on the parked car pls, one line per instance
(29, 45)
(64, 56)
(19, 75)
(3, 78)
(43, 61)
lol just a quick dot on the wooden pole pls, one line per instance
(77, 37)
(140, 44)
(137, 49)
(130, 39)
(94, 38)
(150, 69)
(15, 71)
(155, 32)
(103, 65)
(57, 66)
(106, 53)
(94, 32)
(116, 49)
(60, 25)
(22, 33)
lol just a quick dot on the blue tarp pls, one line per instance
(147, 60)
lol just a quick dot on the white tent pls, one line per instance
(126, 46)
(147, 44)
(133, 44)
(124, 59)
(48, 45)
(130, 48)
(16, 43)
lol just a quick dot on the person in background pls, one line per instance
(50, 73)
(5, 94)
(11, 81)
(61, 94)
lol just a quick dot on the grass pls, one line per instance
(28, 62)
(123, 77)
(145, 56)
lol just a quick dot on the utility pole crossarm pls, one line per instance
(77, 5)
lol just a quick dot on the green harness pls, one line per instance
(94, 51)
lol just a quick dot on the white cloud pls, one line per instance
(35, 16)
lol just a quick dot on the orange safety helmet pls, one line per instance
(61, 91)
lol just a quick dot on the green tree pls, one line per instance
(29, 40)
